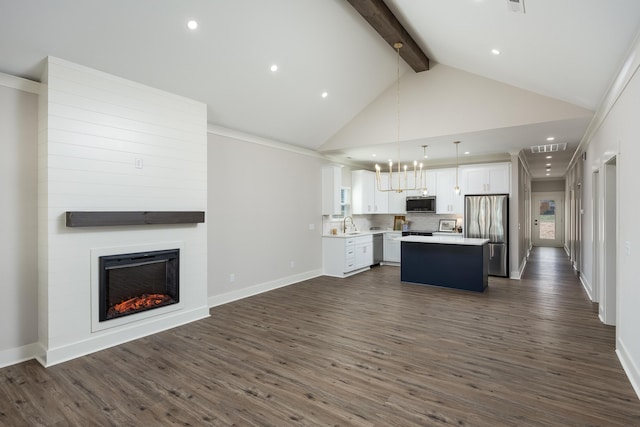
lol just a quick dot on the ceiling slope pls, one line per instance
(449, 101)
(491, 118)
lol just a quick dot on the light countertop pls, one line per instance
(445, 240)
(360, 233)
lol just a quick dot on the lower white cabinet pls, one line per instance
(344, 256)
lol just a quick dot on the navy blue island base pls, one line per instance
(449, 265)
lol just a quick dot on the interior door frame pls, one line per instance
(608, 303)
(558, 196)
(596, 266)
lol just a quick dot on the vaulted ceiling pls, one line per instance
(564, 50)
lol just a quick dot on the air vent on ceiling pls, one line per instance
(516, 5)
(549, 148)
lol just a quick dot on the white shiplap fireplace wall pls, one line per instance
(109, 144)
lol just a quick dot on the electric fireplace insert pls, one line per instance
(136, 282)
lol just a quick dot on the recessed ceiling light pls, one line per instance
(551, 138)
(549, 157)
(325, 94)
(467, 152)
(192, 25)
(548, 174)
(373, 155)
(548, 164)
(274, 68)
(495, 51)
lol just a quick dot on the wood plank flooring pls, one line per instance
(362, 351)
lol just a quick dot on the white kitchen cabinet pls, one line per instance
(364, 194)
(344, 256)
(391, 248)
(428, 180)
(396, 201)
(331, 186)
(494, 178)
(364, 252)
(447, 201)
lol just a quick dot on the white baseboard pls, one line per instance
(517, 275)
(53, 356)
(19, 354)
(630, 368)
(587, 287)
(261, 287)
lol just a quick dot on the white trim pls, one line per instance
(19, 354)
(627, 70)
(586, 286)
(630, 368)
(246, 137)
(53, 356)
(261, 287)
(517, 275)
(14, 82)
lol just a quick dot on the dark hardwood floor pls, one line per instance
(362, 351)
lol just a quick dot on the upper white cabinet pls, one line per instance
(492, 178)
(428, 180)
(365, 196)
(447, 201)
(367, 199)
(397, 202)
(331, 186)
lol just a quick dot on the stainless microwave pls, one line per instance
(421, 204)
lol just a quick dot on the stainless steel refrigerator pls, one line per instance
(487, 217)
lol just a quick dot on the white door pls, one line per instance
(548, 219)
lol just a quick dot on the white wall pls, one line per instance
(94, 126)
(618, 135)
(18, 199)
(263, 198)
(445, 101)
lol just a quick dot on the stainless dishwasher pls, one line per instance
(378, 248)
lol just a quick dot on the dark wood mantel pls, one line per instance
(111, 218)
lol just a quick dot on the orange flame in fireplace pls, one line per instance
(141, 302)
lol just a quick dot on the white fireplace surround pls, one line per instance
(109, 144)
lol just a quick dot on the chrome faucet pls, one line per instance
(344, 224)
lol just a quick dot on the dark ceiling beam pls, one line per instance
(380, 17)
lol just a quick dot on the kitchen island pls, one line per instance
(451, 262)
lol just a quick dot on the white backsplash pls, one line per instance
(420, 221)
(429, 222)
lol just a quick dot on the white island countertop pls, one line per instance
(445, 240)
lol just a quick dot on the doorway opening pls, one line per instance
(548, 219)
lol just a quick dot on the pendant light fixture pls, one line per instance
(395, 182)
(457, 187)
